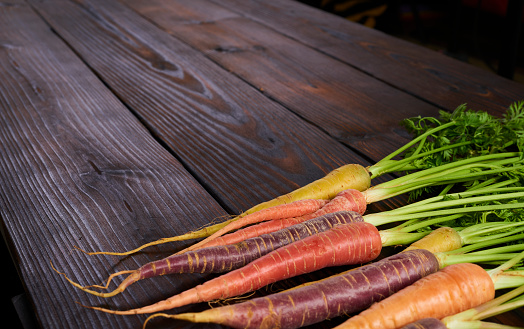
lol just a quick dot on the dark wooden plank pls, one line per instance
(425, 73)
(351, 106)
(77, 168)
(244, 147)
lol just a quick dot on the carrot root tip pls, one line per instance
(118, 290)
(156, 316)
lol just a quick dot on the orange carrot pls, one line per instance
(449, 291)
(297, 208)
(353, 243)
(294, 209)
(347, 200)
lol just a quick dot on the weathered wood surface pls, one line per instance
(424, 73)
(77, 168)
(216, 124)
(294, 74)
(125, 122)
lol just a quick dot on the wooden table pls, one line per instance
(126, 121)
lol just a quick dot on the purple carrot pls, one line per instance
(349, 292)
(220, 259)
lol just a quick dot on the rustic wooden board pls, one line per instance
(425, 73)
(351, 106)
(77, 168)
(243, 147)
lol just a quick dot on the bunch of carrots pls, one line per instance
(464, 173)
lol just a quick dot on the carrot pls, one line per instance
(453, 289)
(297, 208)
(472, 318)
(350, 176)
(354, 200)
(345, 293)
(224, 258)
(228, 257)
(355, 290)
(441, 239)
(436, 141)
(347, 200)
(294, 209)
(448, 238)
(344, 244)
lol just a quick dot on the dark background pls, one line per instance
(483, 33)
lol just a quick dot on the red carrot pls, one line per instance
(347, 200)
(344, 244)
(219, 259)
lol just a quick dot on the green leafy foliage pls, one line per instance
(465, 134)
(481, 133)
(499, 215)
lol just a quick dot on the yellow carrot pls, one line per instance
(350, 176)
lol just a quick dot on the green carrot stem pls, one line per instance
(509, 279)
(451, 176)
(415, 224)
(382, 218)
(485, 325)
(486, 243)
(450, 259)
(507, 282)
(499, 305)
(459, 199)
(383, 164)
(507, 265)
(460, 163)
(446, 189)
(388, 166)
(503, 249)
(496, 188)
(478, 232)
(491, 183)
(391, 238)
(502, 309)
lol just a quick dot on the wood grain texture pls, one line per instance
(84, 84)
(425, 73)
(351, 106)
(242, 146)
(77, 168)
